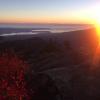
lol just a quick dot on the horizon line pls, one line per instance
(21, 23)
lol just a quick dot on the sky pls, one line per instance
(48, 11)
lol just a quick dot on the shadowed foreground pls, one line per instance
(49, 67)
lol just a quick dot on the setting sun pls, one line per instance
(97, 25)
(96, 19)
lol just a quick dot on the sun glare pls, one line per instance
(96, 56)
(96, 18)
(98, 30)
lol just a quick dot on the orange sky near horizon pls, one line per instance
(45, 19)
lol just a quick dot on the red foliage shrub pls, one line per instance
(12, 77)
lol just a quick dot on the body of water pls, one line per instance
(22, 29)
